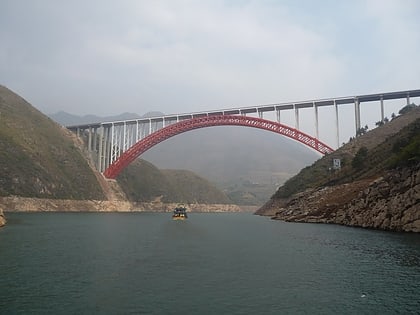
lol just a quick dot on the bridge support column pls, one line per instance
(107, 151)
(382, 109)
(100, 153)
(143, 133)
(95, 139)
(125, 136)
(408, 99)
(90, 139)
(150, 126)
(337, 127)
(278, 115)
(357, 114)
(296, 117)
(112, 143)
(316, 121)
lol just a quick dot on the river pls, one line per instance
(213, 263)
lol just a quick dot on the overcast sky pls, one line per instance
(107, 57)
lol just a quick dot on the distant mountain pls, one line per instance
(248, 164)
(142, 181)
(153, 114)
(66, 119)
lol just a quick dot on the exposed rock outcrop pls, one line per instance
(2, 218)
(21, 204)
(390, 202)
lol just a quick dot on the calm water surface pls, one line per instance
(231, 263)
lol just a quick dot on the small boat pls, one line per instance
(180, 213)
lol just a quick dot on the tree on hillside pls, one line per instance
(359, 158)
(362, 131)
(407, 108)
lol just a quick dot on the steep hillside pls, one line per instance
(191, 188)
(142, 181)
(381, 143)
(38, 158)
(378, 185)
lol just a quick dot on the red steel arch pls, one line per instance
(208, 121)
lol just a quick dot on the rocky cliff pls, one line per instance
(377, 186)
(389, 202)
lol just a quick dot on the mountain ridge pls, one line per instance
(67, 119)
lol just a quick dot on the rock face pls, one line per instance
(20, 204)
(390, 202)
(2, 218)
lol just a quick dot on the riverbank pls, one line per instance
(390, 202)
(22, 204)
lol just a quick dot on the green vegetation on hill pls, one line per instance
(366, 156)
(189, 187)
(142, 181)
(406, 150)
(245, 192)
(37, 156)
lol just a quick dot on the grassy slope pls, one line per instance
(37, 159)
(142, 181)
(188, 187)
(394, 144)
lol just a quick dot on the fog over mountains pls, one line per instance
(224, 154)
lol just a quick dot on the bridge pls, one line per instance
(115, 144)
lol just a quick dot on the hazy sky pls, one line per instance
(107, 57)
